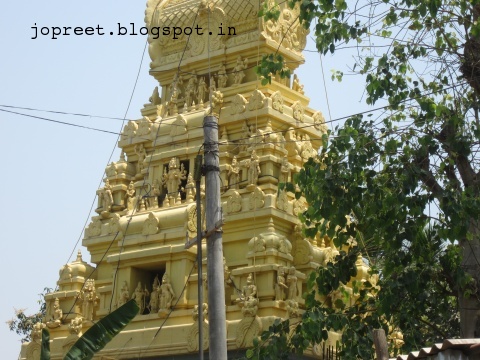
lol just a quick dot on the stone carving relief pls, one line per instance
(277, 101)
(292, 284)
(166, 295)
(282, 200)
(238, 104)
(153, 304)
(299, 206)
(319, 122)
(253, 170)
(202, 90)
(234, 202)
(114, 224)
(57, 315)
(287, 30)
(296, 86)
(233, 174)
(190, 89)
(94, 229)
(124, 294)
(257, 199)
(89, 299)
(140, 296)
(280, 286)
(173, 178)
(293, 310)
(130, 197)
(150, 225)
(307, 149)
(222, 77)
(285, 170)
(155, 98)
(75, 326)
(129, 130)
(298, 111)
(256, 101)
(179, 126)
(106, 197)
(141, 153)
(250, 326)
(238, 70)
(190, 188)
(144, 127)
(192, 336)
(292, 145)
(111, 170)
(208, 14)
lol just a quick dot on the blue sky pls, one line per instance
(50, 172)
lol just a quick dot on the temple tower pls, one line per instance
(146, 208)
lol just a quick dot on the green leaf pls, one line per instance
(45, 350)
(102, 332)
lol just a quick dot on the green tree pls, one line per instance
(22, 323)
(415, 164)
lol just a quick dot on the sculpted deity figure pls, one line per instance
(107, 197)
(253, 166)
(36, 333)
(249, 297)
(285, 170)
(280, 286)
(173, 178)
(57, 315)
(296, 86)
(140, 296)
(140, 151)
(202, 90)
(292, 283)
(124, 294)
(233, 174)
(190, 89)
(75, 327)
(153, 305)
(190, 188)
(238, 73)
(130, 196)
(222, 77)
(89, 299)
(174, 88)
(166, 294)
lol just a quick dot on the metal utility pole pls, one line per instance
(216, 284)
(198, 178)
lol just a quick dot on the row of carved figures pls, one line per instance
(158, 300)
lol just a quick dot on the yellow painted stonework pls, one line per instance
(146, 207)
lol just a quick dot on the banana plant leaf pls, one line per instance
(45, 350)
(102, 332)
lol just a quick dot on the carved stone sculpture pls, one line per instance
(75, 326)
(190, 90)
(89, 299)
(285, 170)
(292, 284)
(140, 151)
(202, 90)
(124, 294)
(238, 73)
(140, 296)
(280, 286)
(57, 315)
(296, 86)
(150, 225)
(155, 98)
(153, 305)
(253, 169)
(107, 197)
(130, 197)
(166, 294)
(233, 174)
(173, 178)
(190, 188)
(222, 77)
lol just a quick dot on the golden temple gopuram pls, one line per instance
(146, 208)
